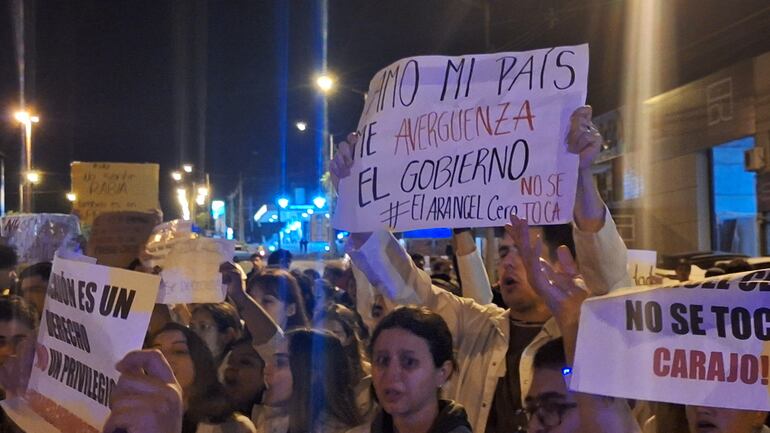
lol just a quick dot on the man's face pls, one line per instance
(33, 289)
(12, 333)
(517, 294)
(702, 419)
(550, 406)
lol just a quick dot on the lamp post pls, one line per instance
(25, 185)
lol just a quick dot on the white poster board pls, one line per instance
(191, 271)
(464, 141)
(703, 343)
(93, 316)
(641, 267)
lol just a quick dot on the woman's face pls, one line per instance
(277, 309)
(403, 372)
(278, 378)
(702, 419)
(336, 328)
(204, 325)
(173, 345)
(243, 378)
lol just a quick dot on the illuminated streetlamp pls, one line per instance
(177, 176)
(71, 196)
(26, 119)
(33, 177)
(319, 202)
(283, 202)
(325, 82)
(302, 126)
(187, 168)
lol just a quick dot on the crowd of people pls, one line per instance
(377, 344)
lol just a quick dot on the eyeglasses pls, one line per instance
(549, 414)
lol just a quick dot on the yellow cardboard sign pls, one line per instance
(110, 187)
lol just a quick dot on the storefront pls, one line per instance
(698, 179)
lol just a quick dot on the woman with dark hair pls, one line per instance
(243, 376)
(412, 358)
(218, 325)
(346, 325)
(205, 406)
(308, 382)
(278, 292)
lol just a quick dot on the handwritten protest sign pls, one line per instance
(117, 237)
(36, 237)
(109, 187)
(641, 267)
(465, 141)
(93, 316)
(703, 343)
(191, 271)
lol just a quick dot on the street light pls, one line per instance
(302, 126)
(187, 168)
(283, 202)
(26, 119)
(71, 196)
(319, 202)
(325, 82)
(33, 177)
(177, 176)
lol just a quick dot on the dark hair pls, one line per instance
(306, 289)
(41, 269)
(311, 273)
(224, 315)
(14, 308)
(349, 320)
(207, 401)
(333, 271)
(737, 265)
(424, 323)
(280, 258)
(557, 235)
(8, 257)
(321, 381)
(551, 355)
(281, 284)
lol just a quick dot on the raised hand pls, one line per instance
(561, 286)
(583, 137)
(147, 397)
(343, 160)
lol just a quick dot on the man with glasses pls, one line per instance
(550, 406)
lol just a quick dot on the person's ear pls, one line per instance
(443, 373)
(291, 309)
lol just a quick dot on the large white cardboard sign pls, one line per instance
(464, 141)
(93, 316)
(191, 271)
(703, 343)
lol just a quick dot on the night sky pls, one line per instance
(106, 75)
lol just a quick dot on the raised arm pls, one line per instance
(601, 253)
(260, 325)
(470, 266)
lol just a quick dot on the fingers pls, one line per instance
(566, 261)
(151, 362)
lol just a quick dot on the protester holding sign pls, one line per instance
(500, 343)
(193, 366)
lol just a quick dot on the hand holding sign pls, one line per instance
(343, 160)
(583, 138)
(147, 398)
